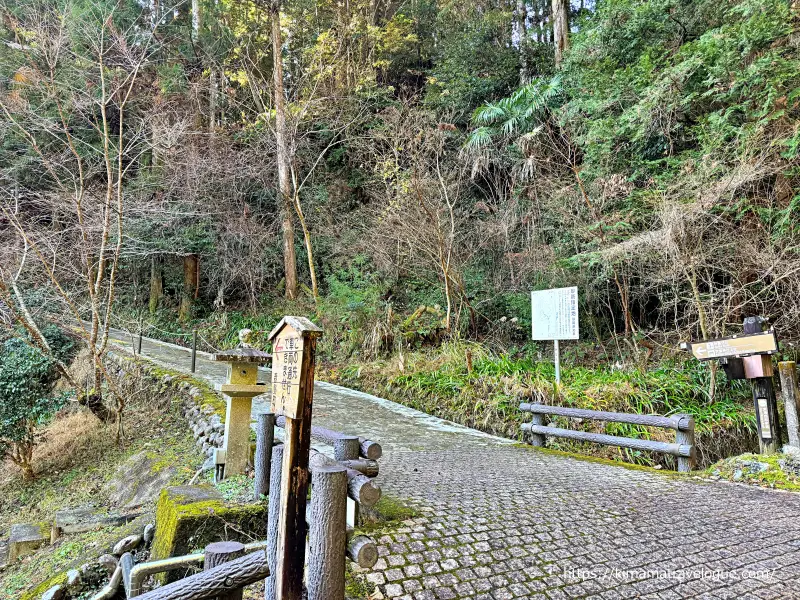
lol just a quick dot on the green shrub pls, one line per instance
(26, 401)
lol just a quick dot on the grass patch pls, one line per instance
(237, 488)
(387, 510)
(774, 471)
(487, 396)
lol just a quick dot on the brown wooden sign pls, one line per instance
(294, 342)
(287, 358)
(734, 346)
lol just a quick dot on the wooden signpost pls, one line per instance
(736, 346)
(749, 356)
(294, 343)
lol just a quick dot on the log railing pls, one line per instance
(683, 448)
(338, 486)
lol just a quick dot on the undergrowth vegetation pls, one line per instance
(470, 385)
(73, 463)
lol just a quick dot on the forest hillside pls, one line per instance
(406, 173)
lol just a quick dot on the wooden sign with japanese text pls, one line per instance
(734, 346)
(287, 358)
(294, 343)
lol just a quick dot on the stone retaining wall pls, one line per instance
(203, 407)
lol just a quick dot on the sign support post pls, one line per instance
(758, 368)
(557, 360)
(294, 342)
(749, 356)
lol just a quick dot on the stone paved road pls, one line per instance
(498, 521)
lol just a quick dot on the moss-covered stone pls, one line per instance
(776, 471)
(36, 593)
(188, 518)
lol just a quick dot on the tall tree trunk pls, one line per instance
(191, 285)
(196, 18)
(156, 282)
(521, 26)
(309, 248)
(284, 158)
(213, 92)
(560, 19)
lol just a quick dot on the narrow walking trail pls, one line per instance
(498, 521)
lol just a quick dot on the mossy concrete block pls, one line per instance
(26, 538)
(188, 518)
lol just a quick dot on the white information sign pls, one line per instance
(554, 314)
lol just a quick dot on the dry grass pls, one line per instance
(78, 454)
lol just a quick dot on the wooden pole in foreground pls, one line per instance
(219, 553)
(788, 373)
(265, 438)
(294, 342)
(327, 539)
(273, 514)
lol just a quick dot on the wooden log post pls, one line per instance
(788, 373)
(327, 539)
(294, 342)
(685, 436)
(219, 553)
(346, 448)
(219, 581)
(537, 439)
(370, 449)
(769, 434)
(273, 513)
(360, 488)
(363, 551)
(364, 466)
(265, 439)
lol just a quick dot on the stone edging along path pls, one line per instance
(494, 520)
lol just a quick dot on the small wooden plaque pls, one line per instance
(287, 367)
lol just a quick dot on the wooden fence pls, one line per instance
(683, 448)
(346, 479)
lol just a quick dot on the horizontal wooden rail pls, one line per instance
(673, 422)
(367, 448)
(611, 440)
(683, 448)
(219, 581)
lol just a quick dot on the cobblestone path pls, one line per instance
(497, 521)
